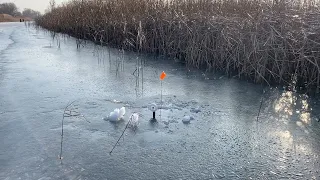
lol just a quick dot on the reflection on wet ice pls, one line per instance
(305, 112)
(283, 105)
(290, 102)
(292, 107)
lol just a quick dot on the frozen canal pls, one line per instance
(224, 141)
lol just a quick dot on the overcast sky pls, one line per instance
(38, 5)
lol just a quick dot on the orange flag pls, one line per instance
(163, 75)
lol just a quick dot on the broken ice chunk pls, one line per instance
(187, 119)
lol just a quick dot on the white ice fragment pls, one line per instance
(114, 115)
(122, 112)
(117, 114)
(186, 119)
(116, 101)
(134, 119)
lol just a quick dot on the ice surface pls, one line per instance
(195, 110)
(225, 141)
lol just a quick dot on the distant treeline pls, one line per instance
(12, 9)
(265, 41)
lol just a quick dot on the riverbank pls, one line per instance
(9, 18)
(261, 41)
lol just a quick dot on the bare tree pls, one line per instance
(30, 13)
(9, 8)
(52, 4)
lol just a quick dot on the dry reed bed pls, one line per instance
(263, 41)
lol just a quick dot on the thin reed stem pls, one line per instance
(121, 135)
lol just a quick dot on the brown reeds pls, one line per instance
(266, 41)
